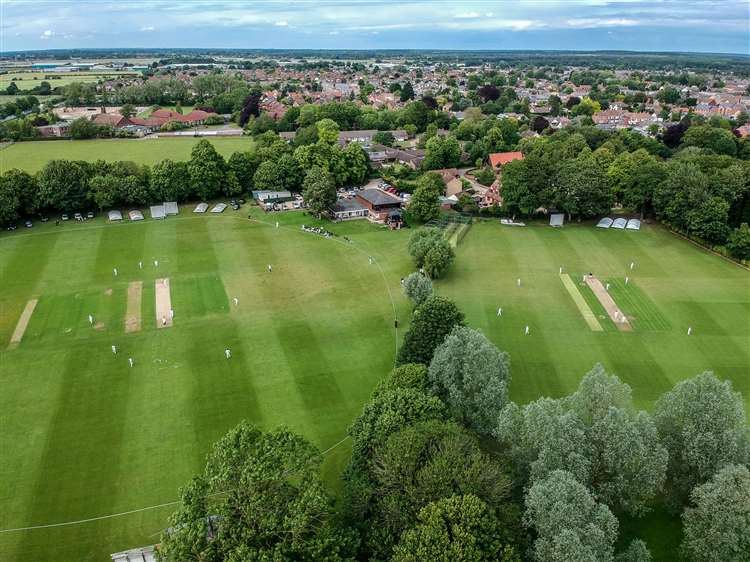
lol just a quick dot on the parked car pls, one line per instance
(235, 206)
(90, 215)
(11, 227)
(28, 224)
(241, 201)
(78, 216)
(65, 217)
(43, 218)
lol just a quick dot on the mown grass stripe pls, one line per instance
(583, 307)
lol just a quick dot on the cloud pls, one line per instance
(570, 24)
(600, 22)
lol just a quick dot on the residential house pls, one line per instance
(618, 119)
(412, 157)
(452, 180)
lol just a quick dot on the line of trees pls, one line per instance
(703, 189)
(63, 185)
(444, 466)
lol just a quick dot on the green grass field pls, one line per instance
(84, 435)
(32, 156)
(28, 80)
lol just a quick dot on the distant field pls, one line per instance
(28, 80)
(32, 156)
(5, 98)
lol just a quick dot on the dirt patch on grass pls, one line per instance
(163, 303)
(23, 322)
(133, 312)
(99, 326)
(108, 292)
(609, 304)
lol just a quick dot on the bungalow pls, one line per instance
(408, 157)
(266, 196)
(379, 203)
(499, 159)
(348, 209)
(195, 117)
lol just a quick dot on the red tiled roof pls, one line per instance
(148, 121)
(502, 158)
(169, 115)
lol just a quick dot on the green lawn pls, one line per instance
(28, 80)
(32, 156)
(84, 435)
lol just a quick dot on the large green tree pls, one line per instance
(455, 529)
(471, 376)
(702, 423)
(63, 185)
(714, 139)
(634, 176)
(594, 434)
(244, 165)
(16, 188)
(423, 463)
(207, 170)
(421, 241)
(259, 498)
(424, 204)
(717, 523)
(582, 188)
(569, 523)
(319, 191)
(442, 152)
(390, 411)
(432, 322)
(170, 181)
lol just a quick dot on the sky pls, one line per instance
(642, 25)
